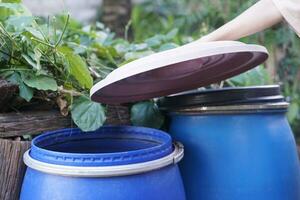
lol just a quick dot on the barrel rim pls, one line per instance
(227, 96)
(235, 109)
(103, 159)
(106, 171)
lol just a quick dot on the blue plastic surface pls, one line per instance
(108, 146)
(163, 184)
(249, 156)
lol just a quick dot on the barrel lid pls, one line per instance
(223, 97)
(187, 67)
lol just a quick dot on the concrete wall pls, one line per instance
(83, 10)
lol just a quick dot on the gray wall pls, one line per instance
(83, 10)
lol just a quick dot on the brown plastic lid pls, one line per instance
(184, 68)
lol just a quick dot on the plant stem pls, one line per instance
(15, 69)
(70, 92)
(5, 33)
(127, 29)
(48, 26)
(48, 59)
(42, 42)
(17, 59)
(64, 30)
(40, 30)
(54, 28)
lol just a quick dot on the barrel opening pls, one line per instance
(100, 144)
(107, 146)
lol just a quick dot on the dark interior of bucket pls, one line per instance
(97, 143)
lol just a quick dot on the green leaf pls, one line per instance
(79, 70)
(30, 61)
(146, 114)
(6, 74)
(16, 8)
(11, 1)
(35, 33)
(136, 55)
(138, 47)
(7, 9)
(293, 112)
(172, 34)
(77, 67)
(78, 49)
(27, 137)
(105, 52)
(12, 6)
(40, 82)
(256, 76)
(87, 115)
(20, 22)
(154, 41)
(37, 57)
(60, 20)
(24, 91)
(167, 46)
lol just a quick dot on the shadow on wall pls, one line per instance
(84, 11)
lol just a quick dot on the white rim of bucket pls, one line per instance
(106, 171)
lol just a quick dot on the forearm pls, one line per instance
(260, 16)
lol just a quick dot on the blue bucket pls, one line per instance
(114, 162)
(238, 144)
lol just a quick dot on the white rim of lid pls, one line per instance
(186, 52)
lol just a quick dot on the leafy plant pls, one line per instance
(57, 59)
(256, 76)
(84, 112)
(146, 114)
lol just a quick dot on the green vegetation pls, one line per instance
(58, 60)
(195, 18)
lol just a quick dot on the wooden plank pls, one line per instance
(6, 90)
(116, 15)
(12, 168)
(18, 124)
(118, 115)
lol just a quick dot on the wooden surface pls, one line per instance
(118, 115)
(7, 90)
(17, 124)
(116, 15)
(12, 168)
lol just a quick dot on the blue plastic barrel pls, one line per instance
(112, 163)
(238, 144)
